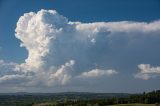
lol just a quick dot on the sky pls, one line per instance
(79, 45)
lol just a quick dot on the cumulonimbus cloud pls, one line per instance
(61, 51)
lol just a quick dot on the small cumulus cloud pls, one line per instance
(147, 71)
(98, 73)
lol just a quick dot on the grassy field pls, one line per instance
(135, 105)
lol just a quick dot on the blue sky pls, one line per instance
(135, 66)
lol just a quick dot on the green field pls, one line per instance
(135, 105)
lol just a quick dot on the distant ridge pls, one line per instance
(70, 94)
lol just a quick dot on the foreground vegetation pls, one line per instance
(81, 99)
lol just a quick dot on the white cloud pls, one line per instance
(63, 74)
(98, 73)
(36, 32)
(59, 50)
(147, 71)
(7, 67)
(146, 68)
(10, 75)
(16, 78)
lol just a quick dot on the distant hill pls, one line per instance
(78, 95)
